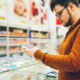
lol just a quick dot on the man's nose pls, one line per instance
(59, 18)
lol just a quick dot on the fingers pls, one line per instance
(25, 50)
(30, 51)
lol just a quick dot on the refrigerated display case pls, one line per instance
(35, 71)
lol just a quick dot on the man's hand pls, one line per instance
(31, 51)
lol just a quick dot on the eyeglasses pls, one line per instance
(60, 12)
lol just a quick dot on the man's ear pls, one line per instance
(71, 6)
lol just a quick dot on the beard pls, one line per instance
(69, 22)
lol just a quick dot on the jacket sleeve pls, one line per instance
(69, 63)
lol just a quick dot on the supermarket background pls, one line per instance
(31, 23)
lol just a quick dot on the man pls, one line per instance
(68, 60)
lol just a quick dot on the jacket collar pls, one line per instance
(77, 23)
(72, 27)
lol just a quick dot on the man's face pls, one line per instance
(63, 15)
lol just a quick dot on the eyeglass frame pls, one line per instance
(60, 12)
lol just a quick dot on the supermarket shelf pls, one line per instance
(14, 52)
(44, 42)
(25, 27)
(19, 26)
(3, 24)
(35, 28)
(16, 44)
(35, 37)
(3, 35)
(1, 53)
(3, 45)
(3, 38)
(18, 37)
(12, 25)
(44, 38)
(44, 29)
(16, 32)
(38, 28)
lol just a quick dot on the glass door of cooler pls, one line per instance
(35, 72)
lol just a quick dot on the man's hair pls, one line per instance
(79, 1)
(63, 3)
